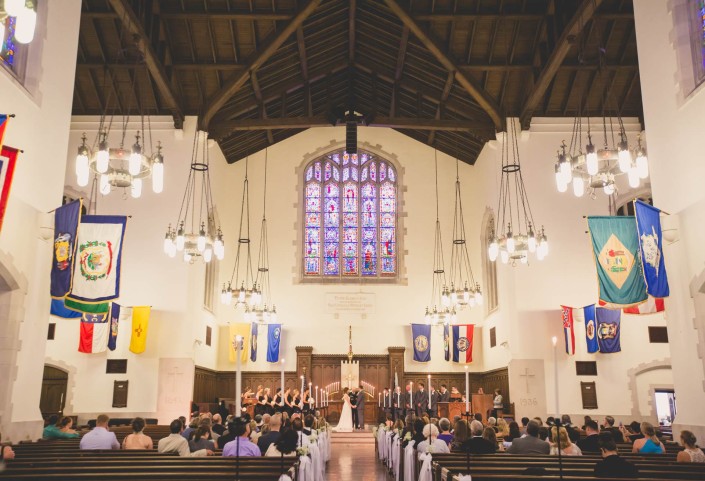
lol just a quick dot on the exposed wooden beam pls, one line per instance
(351, 30)
(245, 16)
(585, 11)
(303, 60)
(481, 97)
(237, 81)
(262, 110)
(222, 129)
(472, 17)
(399, 69)
(439, 110)
(131, 22)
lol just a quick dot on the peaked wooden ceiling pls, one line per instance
(444, 72)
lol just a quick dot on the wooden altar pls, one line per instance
(483, 404)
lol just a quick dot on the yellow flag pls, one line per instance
(140, 322)
(242, 329)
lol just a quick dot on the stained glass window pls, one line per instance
(350, 221)
(7, 44)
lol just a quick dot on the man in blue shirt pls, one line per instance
(241, 445)
(100, 437)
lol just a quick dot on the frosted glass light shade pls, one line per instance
(136, 188)
(26, 24)
(157, 177)
(104, 184)
(14, 7)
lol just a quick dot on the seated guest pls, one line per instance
(539, 421)
(218, 427)
(530, 444)
(650, 444)
(263, 426)
(562, 441)
(461, 433)
(6, 452)
(241, 445)
(573, 433)
(272, 436)
(430, 433)
(590, 443)
(691, 452)
(418, 436)
(298, 426)
(524, 423)
(176, 443)
(492, 423)
(227, 436)
(490, 435)
(612, 465)
(608, 425)
(285, 446)
(99, 437)
(193, 425)
(254, 433)
(633, 432)
(550, 421)
(201, 440)
(137, 440)
(308, 424)
(514, 433)
(478, 417)
(60, 429)
(444, 428)
(502, 427)
(477, 444)
(543, 434)
(207, 423)
(586, 419)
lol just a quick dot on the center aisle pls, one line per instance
(353, 458)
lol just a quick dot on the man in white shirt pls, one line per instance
(100, 437)
(176, 443)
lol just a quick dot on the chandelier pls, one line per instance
(513, 211)
(443, 311)
(121, 167)
(464, 291)
(24, 23)
(196, 233)
(249, 295)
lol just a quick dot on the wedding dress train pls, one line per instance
(345, 424)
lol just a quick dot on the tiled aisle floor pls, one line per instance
(355, 461)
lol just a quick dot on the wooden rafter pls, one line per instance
(262, 109)
(403, 44)
(156, 69)
(585, 11)
(478, 94)
(351, 30)
(236, 82)
(439, 110)
(303, 60)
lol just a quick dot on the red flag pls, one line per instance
(651, 306)
(9, 170)
(4, 120)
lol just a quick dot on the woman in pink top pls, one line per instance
(137, 440)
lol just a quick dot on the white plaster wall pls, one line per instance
(645, 383)
(675, 119)
(40, 128)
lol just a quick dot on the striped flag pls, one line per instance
(94, 333)
(568, 330)
(8, 159)
(462, 342)
(4, 120)
(651, 306)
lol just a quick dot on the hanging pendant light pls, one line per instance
(197, 210)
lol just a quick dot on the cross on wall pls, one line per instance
(527, 374)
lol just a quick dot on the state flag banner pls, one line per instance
(66, 220)
(253, 342)
(615, 246)
(274, 337)
(573, 315)
(608, 329)
(648, 224)
(93, 335)
(446, 341)
(140, 325)
(239, 329)
(8, 160)
(463, 342)
(651, 306)
(96, 274)
(59, 310)
(421, 338)
(117, 313)
(568, 330)
(4, 120)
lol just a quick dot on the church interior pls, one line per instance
(326, 194)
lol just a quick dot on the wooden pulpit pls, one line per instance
(483, 404)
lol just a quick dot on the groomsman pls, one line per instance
(398, 402)
(409, 401)
(421, 401)
(360, 408)
(353, 404)
(435, 397)
(444, 394)
(387, 402)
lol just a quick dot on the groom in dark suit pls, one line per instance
(360, 409)
(353, 405)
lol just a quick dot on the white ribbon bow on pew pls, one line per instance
(388, 446)
(318, 469)
(465, 477)
(426, 472)
(395, 457)
(284, 477)
(409, 463)
(305, 469)
(381, 438)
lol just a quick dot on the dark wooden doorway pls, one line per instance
(54, 386)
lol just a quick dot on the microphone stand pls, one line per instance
(557, 423)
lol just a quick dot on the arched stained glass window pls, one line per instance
(350, 221)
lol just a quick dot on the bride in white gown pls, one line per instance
(345, 424)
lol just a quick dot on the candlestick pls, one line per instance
(282, 383)
(467, 390)
(554, 340)
(379, 400)
(238, 376)
(429, 391)
(302, 385)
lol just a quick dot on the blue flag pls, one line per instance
(274, 336)
(253, 343)
(59, 310)
(648, 225)
(591, 329)
(421, 338)
(66, 219)
(446, 341)
(615, 246)
(608, 330)
(114, 319)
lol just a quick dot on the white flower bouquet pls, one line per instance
(302, 451)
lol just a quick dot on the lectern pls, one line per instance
(483, 404)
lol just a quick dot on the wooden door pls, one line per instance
(53, 395)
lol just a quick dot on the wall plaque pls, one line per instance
(350, 303)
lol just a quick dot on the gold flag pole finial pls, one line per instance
(350, 351)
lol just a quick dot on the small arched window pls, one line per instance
(350, 222)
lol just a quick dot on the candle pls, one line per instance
(302, 385)
(316, 396)
(282, 383)
(398, 400)
(554, 340)
(310, 393)
(238, 376)
(429, 391)
(379, 400)
(467, 390)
